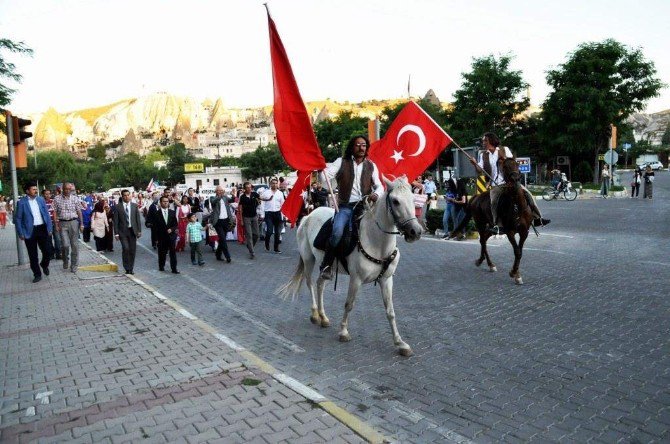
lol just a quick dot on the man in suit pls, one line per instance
(165, 224)
(151, 213)
(221, 218)
(128, 229)
(34, 227)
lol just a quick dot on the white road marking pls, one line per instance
(44, 396)
(229, 342)
(656, 263)
(452, 241)
(299, 387)
(186, 313)
(546, 251)
(558, 235)
(246, 316)
(412, 414)
(30, 411)
(159, 296)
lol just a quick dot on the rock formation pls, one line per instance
(650, 127)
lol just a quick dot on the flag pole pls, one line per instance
(330, 190)
(472, 159)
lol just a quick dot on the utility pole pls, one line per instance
(15, 187)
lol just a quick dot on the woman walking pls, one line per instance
(3, 212)
(99, 225)
(635, 184)
(648, 182)
(109, 229)
(183, 210)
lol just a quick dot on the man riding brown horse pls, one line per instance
(490, 163)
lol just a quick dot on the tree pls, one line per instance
(490, 99)
(333, 135)
(262, 163)
(8, 70)
(665, 140)
(177, 156)
(599, 85)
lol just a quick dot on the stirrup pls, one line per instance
(496, 230)
(541, 221)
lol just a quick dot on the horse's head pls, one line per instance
(510, 170)
(400, 204)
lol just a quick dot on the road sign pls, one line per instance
(601, 157)
(611, 157)
(524, 164)
(627, 146)
(194, 167)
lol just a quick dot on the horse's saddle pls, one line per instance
(349, 237)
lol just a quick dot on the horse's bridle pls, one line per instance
(402, 226)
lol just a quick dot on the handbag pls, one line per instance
(420, 200)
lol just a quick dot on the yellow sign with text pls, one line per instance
(194, 167)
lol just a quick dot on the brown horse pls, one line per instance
(513, 211)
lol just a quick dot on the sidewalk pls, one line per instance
(103, 357)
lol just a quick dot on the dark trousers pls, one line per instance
(86, 235)
(635, 190)
(154, 238)
(100, 243)
(196, 249)
(221, 228)
(273, 224)
(165, 245)
(41, 238)
(128, 248)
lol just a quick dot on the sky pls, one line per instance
(95, 52)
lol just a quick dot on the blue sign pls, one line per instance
(524, 164)
(627, 146)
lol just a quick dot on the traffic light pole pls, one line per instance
(15, 187)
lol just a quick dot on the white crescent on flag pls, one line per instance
(419, 132)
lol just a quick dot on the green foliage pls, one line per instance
(666, 136)
(264, 163)
(8, 69)
(490, 99)
(600, 84)
(582, 173)
(333, 135)
(96, 153)
(177, 156)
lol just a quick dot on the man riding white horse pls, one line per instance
(490, 161)
(357, 177)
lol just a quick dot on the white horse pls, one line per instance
(375, 258)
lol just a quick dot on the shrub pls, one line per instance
(434, 220)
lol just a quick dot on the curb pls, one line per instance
(358, 426)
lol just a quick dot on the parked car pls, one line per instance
(655, 165)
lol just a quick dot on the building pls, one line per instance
(225, 176)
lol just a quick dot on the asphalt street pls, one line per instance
(579, 353)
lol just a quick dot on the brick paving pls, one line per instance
(105, 360)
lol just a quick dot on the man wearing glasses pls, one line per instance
(357, 177)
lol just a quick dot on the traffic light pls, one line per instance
(20, 135)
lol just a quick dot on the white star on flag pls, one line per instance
(397, 156)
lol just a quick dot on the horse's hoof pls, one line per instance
(325, 323)
(406, 352)
(478, 263)
(345, 338)
(518, 281)
(493, 269)
(314, 320)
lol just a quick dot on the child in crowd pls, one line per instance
(194, 238)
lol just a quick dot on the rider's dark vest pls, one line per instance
(345, 179)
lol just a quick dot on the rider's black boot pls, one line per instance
(326, 267)
(541, 221)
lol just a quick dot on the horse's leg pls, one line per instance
(354, 285)
(514, 273)
(523, 235)
(484, 236)
(320, 285)
(309, 268)
(386, 286)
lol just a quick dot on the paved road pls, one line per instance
(579, 353)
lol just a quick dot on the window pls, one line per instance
(216, 181)
(198, 183)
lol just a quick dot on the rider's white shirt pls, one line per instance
(377, 187)
(495, 174)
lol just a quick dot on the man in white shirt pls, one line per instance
(490, 161)
(273, 199)
(357, 177)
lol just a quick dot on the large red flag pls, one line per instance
(295, 135)
(294, 202)
(411, 144)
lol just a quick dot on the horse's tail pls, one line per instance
(291, 288)
(466, 219)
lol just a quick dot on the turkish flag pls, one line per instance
(295, 135)
(294, 202)
(411, 144)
